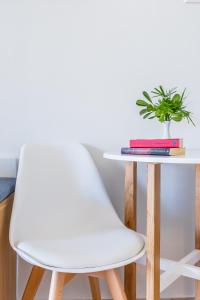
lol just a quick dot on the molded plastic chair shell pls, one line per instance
(62, 217)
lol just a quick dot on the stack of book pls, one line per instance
(163, 147)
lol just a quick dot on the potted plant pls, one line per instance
(165, 106)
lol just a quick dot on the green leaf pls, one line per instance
(143, 111)
(177, 117)
(176, 98)
(183, 94)
(172, 91)
(146, 95)
(162, 118)
(145, 116)
(191, 121)
(150, 108)
(162, 90)
(156, 93)
(141, 103)
(157, 89)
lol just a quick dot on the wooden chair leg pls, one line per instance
(57, 285)
(115, 285)
(69, 277)
(95, 289)
(33, 283)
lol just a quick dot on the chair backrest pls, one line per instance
(58, 194)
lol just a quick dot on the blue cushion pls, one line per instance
(7, 186)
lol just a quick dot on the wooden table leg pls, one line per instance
(153, 232)
(95, 288)
(130, 222)
(197, 224)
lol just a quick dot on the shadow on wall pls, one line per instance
(112, 174)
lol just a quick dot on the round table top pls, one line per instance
(192, 156)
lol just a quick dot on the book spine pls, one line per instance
(159, 143)
(146, 151)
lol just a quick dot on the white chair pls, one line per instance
(63, 221)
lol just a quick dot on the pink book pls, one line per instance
(156, 143)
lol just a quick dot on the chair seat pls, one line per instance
(88, 252)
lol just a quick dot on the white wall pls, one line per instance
(74, 68)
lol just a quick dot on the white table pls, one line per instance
(173, 270)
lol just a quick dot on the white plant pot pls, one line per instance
(166, 130)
